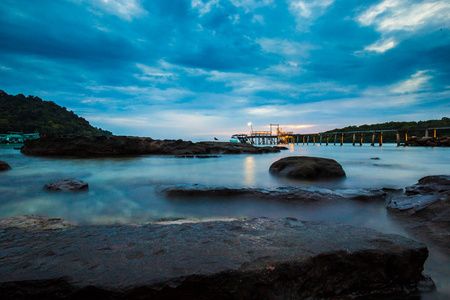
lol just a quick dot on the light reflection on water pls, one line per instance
(123, 190)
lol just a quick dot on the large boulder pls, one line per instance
(68, 184)
(241, 259)
(306, 167)
(4, 166)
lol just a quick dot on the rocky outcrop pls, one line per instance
(428, 141)
(425, 209)
(66, 185)
(285, 193)
(96, 146)
(246, 259)
(4, 166)
(306, 167)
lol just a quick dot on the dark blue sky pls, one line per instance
(195, 69)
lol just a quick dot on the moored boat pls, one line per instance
(240, 138)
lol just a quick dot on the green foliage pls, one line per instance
(413, 128)
(32, 114)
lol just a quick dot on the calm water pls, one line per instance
(123, 190)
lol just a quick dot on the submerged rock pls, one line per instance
(4, 166)
(68, 184)
(289, 193)
(246, 259)
(425, 208)
(95, 146)
(306, 167)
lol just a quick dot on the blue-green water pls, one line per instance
(124, 190)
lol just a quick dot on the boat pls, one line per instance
(240, 138)
(17, 137)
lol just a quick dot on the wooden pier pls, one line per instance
(276, 136)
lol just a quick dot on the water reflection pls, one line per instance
(122, 190)
(249, 171)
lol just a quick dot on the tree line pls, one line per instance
(413, 128)
(32, 114)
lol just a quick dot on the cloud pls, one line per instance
(250, 5)
(419, 81)
(285, 47)
(306, 11)
(204, 7)
(125, 9)
(391, 15)
(400, 18)
(381, 45)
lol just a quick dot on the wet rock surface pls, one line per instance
(425, 209)
(4, 166)
(306, 167)
(287, 193)
(97, 146)
(32, 222)
(246, 259)
(67, 185)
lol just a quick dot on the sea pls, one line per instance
(126, 190)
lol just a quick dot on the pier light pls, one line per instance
(251, 125)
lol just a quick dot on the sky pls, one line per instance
(198, 69)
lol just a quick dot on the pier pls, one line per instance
(278, 137)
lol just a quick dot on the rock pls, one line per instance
(429, 142)
(287, 193)
(95, 146)
(31, 222)
(4, 166)
(305, 167)
(245, 259)
(68, 184)
(424, 208)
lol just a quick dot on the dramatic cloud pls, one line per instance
(399, 19)
(203, 68)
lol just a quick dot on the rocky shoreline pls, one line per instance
(428, 142)
(108, 146)
(242, 259)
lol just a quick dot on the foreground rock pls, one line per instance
(287, 193)
(306, 167)
(67, 185)
(4, 166)
(247, 259)
(95, 146)
(32, 222)
(425, 209)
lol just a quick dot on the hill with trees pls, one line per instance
(32, 114)
(413, 128)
